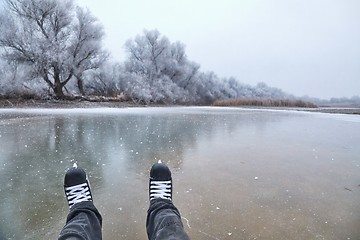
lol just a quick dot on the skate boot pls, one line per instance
(160, 182)
(76, 186)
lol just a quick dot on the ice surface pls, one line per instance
(302, 163)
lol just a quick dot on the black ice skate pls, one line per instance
(76, 185)
(160, 183)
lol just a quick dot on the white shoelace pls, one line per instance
(78, 193)
(160, 189)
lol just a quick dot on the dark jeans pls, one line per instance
(163, 222)
(83, 223)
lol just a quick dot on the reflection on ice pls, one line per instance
(242, 174)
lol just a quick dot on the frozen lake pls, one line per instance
(238, 174)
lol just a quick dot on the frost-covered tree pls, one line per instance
(178, 68)
(16, 80)
(105, 80)
(146, 54)
(58, 40)
(264, 91)
(162, 66)
(209, 88)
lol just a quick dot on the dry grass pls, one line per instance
(264, 103)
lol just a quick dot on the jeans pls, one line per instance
(83, 223)
(163, 222)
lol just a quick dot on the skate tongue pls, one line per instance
(75, 165)
(159, 161)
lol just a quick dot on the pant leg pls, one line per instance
(164, 221)
(83, 223)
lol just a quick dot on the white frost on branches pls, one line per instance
(59, 41)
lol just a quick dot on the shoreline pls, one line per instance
(19, 103)
(15, 103)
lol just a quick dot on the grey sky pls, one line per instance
(301, 46)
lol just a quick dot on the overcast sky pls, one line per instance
(305, 47)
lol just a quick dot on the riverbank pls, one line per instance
(21, 103)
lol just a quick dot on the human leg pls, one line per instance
(84, 220)
(163, 220)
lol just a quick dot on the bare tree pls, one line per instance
(60, 41)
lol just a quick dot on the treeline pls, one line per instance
(53, 49)
(353, 101)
